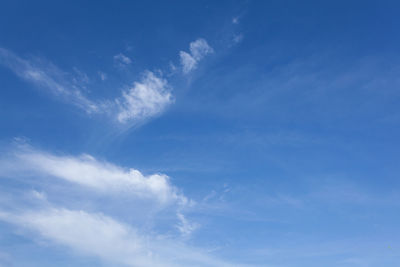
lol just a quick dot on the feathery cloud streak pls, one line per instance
(122, 60)
(108, 239)
(100, 176)
(47, 76)
(145, 99)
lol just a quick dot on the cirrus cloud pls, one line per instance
(198, 50)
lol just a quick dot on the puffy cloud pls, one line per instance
(146, 98)
(198, 50)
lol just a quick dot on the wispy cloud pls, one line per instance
(146, 98)
(237, 38)
(198, 50)
(185, 226)
(108, 239)
(100, 176)
(122, 60)
(46, 75)
(102, 75)
(112, 238)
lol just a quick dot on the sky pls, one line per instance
(199, 133)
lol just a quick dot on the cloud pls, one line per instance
(108, 239)
(122, 60)
(198, 50)
(48, 76)
(88, 233)
(146, 98)
(237, 38)
(101, 176)
(102, 230)
(187, 61)
(184, 226)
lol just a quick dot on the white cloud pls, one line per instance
(146, 98)
(198, 50)
(187, 61)
(108, 239)
(98, 175)
(185, 226)
(122, 60)
(47, 76)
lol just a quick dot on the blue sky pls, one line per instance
(199, 133)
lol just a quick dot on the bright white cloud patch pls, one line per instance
(198, 50)
(100, 176)
(146, 98)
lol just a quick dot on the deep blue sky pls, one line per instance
(276, 121)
